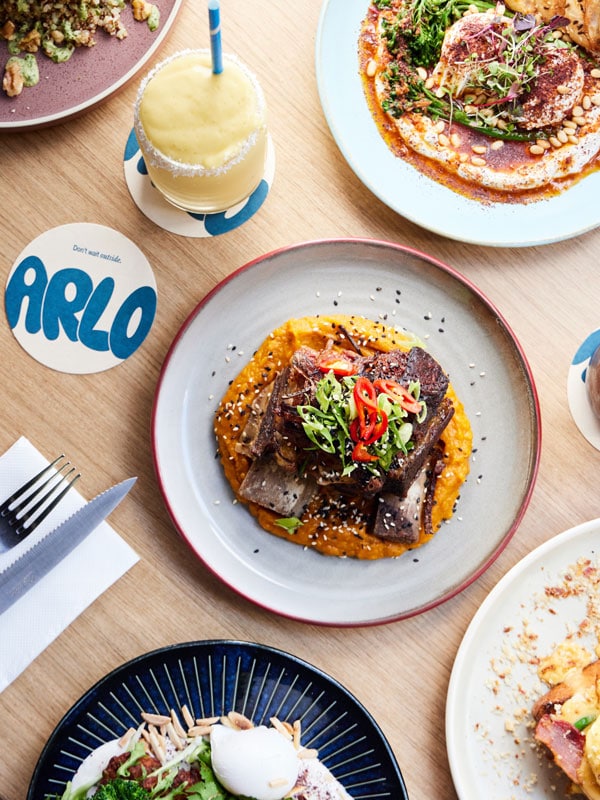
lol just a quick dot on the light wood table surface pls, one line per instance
(73, 172)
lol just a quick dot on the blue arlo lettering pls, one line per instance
(122, 344)
(58, 309)
(88, 335)
(70, 294)
(17, 290)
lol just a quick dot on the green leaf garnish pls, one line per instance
(290, 524)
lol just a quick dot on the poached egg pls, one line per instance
(256, 762)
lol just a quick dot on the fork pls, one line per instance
(28, 506)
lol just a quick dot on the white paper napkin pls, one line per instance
(37, 618)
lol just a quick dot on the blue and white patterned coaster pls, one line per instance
(581, 410)
(81, 298)
(155, 207)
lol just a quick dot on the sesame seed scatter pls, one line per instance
(331, 524)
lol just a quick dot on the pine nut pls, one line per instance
(579, 120)
(543, 143)
(477, 161)
(422, 73)
(439, 126)
(586, 102)
(562, 89)
(497, 145)
(443, 140)
(536, 150)
(371, 68)
(555, 142)
(562, 136)
(573, 139)
(478, 148)
(595, 73)
(568, 123)
(595, 99)
(455, 140)
(577, 111)
(429, 83)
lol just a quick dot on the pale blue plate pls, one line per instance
(405, 189)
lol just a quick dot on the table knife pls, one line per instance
(23, 573)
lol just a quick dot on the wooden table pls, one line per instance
(73, 172)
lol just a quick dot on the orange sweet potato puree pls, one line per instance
(333, 524)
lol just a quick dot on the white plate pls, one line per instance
(485, 758)
(405, 189)
(376, 280)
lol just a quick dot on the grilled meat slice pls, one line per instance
(276, 488)
(399, 518)
(275, 439)
(302, 378)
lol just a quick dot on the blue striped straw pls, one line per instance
(214, 20)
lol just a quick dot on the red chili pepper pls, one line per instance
(336, 362)
(355, 429)
(360, 453)
(370, 423)
(379, 429)
(365, 394)
(399, 394)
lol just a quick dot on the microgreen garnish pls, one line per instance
(421, 25)
(290, 524)
(409, 93)
(507, 56)
(361, 422)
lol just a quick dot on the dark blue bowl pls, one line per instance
(213, 678)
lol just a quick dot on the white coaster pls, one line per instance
(81, 298)
(581, 410)
(151, 203)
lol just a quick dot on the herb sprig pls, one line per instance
(327, 424)
(517, 46)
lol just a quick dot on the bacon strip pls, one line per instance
(565, 743)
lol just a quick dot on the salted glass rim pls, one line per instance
(179, 168)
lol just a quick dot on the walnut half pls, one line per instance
(13, 80)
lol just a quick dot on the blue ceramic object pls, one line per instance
(213, 678)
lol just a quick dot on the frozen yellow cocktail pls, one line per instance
(203, 136)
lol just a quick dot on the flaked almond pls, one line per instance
(155, 719)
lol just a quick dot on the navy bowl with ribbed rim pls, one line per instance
(212, 678)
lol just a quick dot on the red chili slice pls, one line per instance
(365, 394)
(360, 453)
(379, 429)
(338, 363)
(398, 393)
(371, 431)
